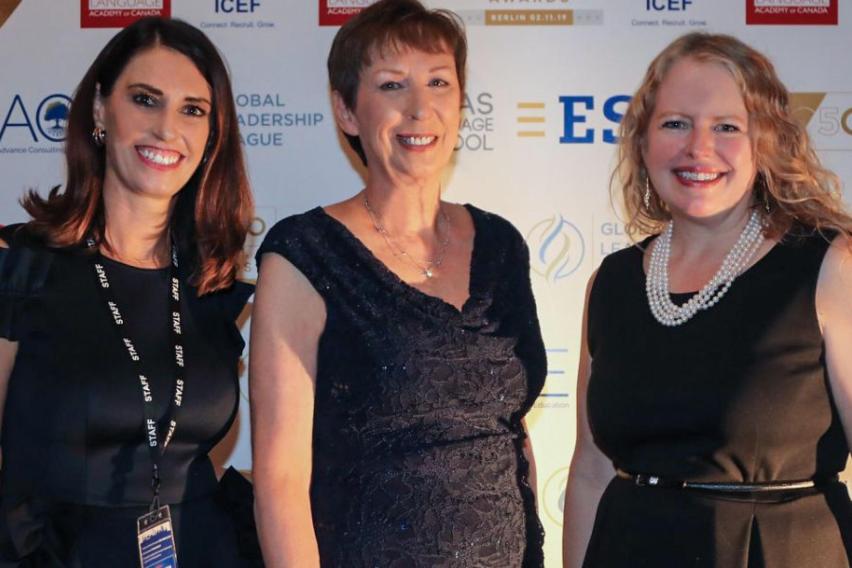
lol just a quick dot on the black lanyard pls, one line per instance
(156, 446)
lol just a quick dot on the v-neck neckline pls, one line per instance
(394, 280)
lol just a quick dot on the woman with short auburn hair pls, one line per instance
(395, 343)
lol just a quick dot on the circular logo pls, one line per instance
(553, 495)
(557, 248)
(52, 117)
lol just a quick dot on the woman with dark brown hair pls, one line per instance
(395, 343)
(715, 379)
(118, 363)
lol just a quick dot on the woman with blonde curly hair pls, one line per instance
(715, 368)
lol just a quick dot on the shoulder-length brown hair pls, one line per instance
(790, 180)
(213, 211)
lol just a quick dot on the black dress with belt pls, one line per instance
(740, 393)
(76, 466)
(417, 448)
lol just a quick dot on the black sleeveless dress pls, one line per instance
(417, 448)
(739, 393)
(76, 467)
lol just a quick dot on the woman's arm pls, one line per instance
(287, 322)
(590, 471)
(834, 309)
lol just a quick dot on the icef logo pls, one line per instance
(668, 5)
(557, 248)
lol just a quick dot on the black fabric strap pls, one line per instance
(157, 442)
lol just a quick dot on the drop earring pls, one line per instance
(99, 136)
(646, 197)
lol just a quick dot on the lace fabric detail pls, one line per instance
(417, 432)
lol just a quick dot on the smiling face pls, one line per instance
(697, 148)
(157, 124)
(407, 113)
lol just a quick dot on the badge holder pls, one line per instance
(156, 539)
(154, 533)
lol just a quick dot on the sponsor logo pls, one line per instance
(264, 118)
(477, 123)
(611, 236)
(504, 13)
(557, 248)
(578, 109)
(667, 5)
(6, 9)
(585, 119)
(553, 495)
(556, 394)
(237, 15)
(531, 119)
(337, 12)
(827, 117)
(791, 12)
(31, 127)
(498, 13)
(263, 220)
(52, 117)
(529, 17)
(238, 6)
(120, 13)
(668, 13)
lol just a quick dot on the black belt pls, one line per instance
(647, 480)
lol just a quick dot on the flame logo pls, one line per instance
(557, 248)
(553, 495)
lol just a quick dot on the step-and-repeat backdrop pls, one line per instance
(548, 82)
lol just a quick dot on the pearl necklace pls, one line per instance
(657, 283)
(426, 267)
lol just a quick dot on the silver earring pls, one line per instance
(99, 136)
(646, 197)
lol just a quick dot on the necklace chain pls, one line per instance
(427, 266)
(657, 284)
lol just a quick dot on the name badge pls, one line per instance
(156, 539)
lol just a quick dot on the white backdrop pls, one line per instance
(548, 81)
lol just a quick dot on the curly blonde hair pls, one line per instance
(790, 180)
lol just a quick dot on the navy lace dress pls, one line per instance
(417, 422)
